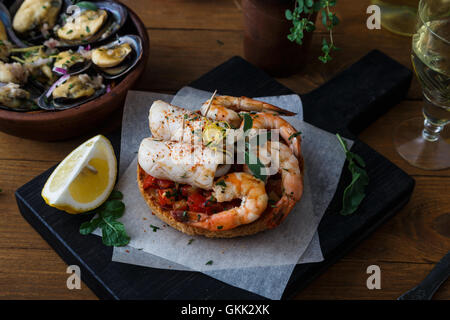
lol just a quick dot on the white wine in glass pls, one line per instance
(398, 16)
(419, 141)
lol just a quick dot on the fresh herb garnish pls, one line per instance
(219, 227)
(210, 262)
(221, 183)
(294, 135)
(248, 122)
(113, 232)
(190, 241)
(255, 168)
(87, 5)
(155, 228)
(355, 191)
(301, 18)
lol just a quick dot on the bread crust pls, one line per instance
(263, 223)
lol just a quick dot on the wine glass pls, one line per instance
(398, 16)
(417, 140)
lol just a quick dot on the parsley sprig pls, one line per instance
(301, 21)
(355, 191)
(113, 231)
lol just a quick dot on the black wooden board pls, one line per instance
(346, 104)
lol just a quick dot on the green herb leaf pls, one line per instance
(248, 122)
(210, 262)
(221, 183)
(115, 195)
(301, 17)
(354, 193)
(113, 232)
(294, 135)
(87, 5)
(255, 168)
(155, 228)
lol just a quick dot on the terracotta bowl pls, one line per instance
(60, 125)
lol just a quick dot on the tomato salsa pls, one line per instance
(183, 197)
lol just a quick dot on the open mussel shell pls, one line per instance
(5, 17)
(24, 105)
(117, 15)
(77, 68)
(31, 37)
(49, 103)
(130, 61)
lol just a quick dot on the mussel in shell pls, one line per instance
(33, 19)
(70, 62)
(90, 22)
(14, 73)
(118, 57)
(12, 97)
(71, 91)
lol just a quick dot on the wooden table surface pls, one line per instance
(188, 38)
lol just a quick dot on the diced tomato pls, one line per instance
(165, 184)
(196, 202)
(150, 182)
(166, 197)
(181, 205)
(213, 207)
(186, 190)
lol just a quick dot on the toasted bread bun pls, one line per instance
(151, 197)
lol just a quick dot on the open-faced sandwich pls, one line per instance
(221, 171)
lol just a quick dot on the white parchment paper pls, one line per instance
(262, 263)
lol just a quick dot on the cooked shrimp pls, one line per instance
(235, 185)
(291, 136)
(223, 108)
(220, 113)
(291, 181)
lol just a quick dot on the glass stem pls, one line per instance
(431, 131)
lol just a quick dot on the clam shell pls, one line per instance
(123, 68)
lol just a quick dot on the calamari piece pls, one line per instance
(36, 13)
(180, 162)
(83, 26)
(168, 122)
(110, 57)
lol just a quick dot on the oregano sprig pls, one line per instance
(355, 191)
(301, 20)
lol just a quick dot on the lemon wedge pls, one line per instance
(84, 179)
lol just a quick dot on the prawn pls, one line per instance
(234, 185)
(226, 108)
(291, 182)
(290, 135)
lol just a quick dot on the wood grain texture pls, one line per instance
(188, 38)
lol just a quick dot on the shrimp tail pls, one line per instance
(279, 212)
